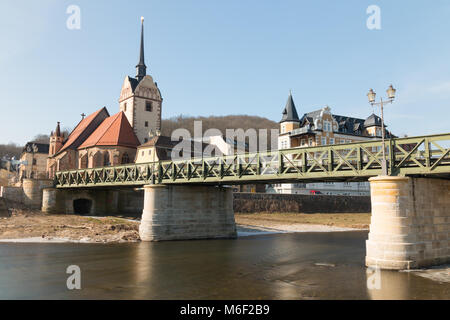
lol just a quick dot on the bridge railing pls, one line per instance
(405, 156)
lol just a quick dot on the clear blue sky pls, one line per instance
(225, 57)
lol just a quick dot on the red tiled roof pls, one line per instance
(80, 128)
(113, 131)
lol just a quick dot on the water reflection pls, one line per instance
(284, 266)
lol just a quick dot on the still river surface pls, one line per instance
(276, 266)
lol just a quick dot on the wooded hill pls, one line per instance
(10, 150)
(219, 122)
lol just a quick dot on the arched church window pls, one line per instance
(106, 160)
(125, 158)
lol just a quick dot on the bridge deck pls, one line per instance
(413, 156)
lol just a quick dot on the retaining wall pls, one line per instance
(272, 202)
(12, 193)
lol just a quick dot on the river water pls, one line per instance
(277, 266)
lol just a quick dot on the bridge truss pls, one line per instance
(412, 156)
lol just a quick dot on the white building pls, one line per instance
(318, 128)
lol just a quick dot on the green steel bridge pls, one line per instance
(425, 156)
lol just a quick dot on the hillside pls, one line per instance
(10, 150)
(219, 122)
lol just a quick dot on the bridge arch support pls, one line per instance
(80, 201)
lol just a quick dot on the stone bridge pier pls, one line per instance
(410, 223)
(187, 212)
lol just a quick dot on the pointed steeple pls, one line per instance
(289, 112)
(58, 130)
(141, 68)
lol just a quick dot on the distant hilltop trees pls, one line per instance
(218, 122)
(10, 150)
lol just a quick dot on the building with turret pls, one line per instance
(319, 128)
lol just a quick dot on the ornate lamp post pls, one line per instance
(391, 95)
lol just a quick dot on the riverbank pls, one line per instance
(35, 226)
(298, 222)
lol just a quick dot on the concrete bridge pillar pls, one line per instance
(187, 212)
(410, 223)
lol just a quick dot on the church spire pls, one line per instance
(141, 67)
(58, 130)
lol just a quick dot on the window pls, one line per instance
(34, 162)
(283, 128)
(125, 107)
(106, 161)
(146, 123)
(378, 132)
(310, 141)
(148, 106)
(327, 126)
(145, 140)
(324, 141)
(125, 158)
(342, 141)
(142, 153)
(331, 140)
(303, 142)
(149, 152)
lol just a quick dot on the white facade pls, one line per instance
(326, 188)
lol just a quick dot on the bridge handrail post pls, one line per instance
(427, 153)
(280, 162)
(258, 164)
(391, 162)
(330, 159)
(239, 166)
(304, 162)
(160, 172)
(359, 158)
(221, 171)
(174, 171)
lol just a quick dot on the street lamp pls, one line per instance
(391, 95)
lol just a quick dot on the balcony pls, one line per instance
(300, 131)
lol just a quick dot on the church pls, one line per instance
(101, 139)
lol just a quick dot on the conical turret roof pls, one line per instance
(290, 112)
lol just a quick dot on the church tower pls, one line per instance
(56, 141)
(140, 99)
